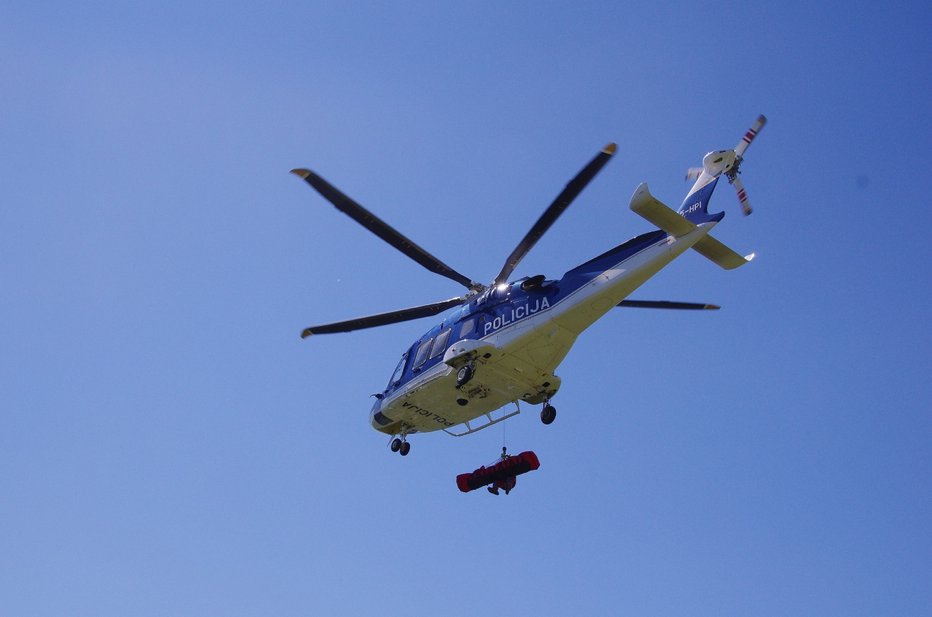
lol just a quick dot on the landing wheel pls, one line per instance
(404, 448)
(396, 444)
(464, 374)
(548, 414)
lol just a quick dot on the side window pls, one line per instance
(440, 343)
(466, 327)
(421, 356)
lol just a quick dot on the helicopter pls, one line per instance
(499, 344)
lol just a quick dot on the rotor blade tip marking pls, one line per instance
(302, 173)
(610, 148)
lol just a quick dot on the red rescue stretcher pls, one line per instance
(501, 475)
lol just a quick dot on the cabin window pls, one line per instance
(421, 356)
(466, 327)
(440, 343)
(396, 376)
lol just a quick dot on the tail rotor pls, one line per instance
(742, 195)
(733, 173)
(750, 135)
(724, 163)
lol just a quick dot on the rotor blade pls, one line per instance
(663, 304)
(750, 135)
(381, 228)
(383, 319)
(550, 215)
(742, 194)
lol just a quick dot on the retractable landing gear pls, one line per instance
(402, 447)
(401, 444)
(465, 373)
(548, 414)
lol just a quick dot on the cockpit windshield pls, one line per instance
(398, 371)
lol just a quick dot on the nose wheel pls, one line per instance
(548, 414)
(400, 445)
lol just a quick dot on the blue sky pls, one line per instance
(169, 446)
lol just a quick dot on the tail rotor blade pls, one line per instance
(750, 135)
(742, 194)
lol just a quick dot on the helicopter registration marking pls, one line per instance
(689, 210)
(519, 312)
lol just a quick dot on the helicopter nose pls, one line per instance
(383, 423)
(377, 419)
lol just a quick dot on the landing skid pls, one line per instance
(491, 421)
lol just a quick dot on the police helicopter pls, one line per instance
(499, 344)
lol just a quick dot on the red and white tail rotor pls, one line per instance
(749, 136)
(742, 195)
(732, 174)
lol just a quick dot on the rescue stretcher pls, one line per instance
(501, 473)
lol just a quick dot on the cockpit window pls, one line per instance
(398, 371)
(440, 343)
(421, 356)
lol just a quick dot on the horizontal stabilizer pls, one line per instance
(649, 207)
(652, 209)
(721, 254)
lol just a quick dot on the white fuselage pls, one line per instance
(516, 359)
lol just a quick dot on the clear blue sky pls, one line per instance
(169, 446)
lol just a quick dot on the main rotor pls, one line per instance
(407, 246)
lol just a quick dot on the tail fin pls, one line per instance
(714, 165)
(696, 204)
